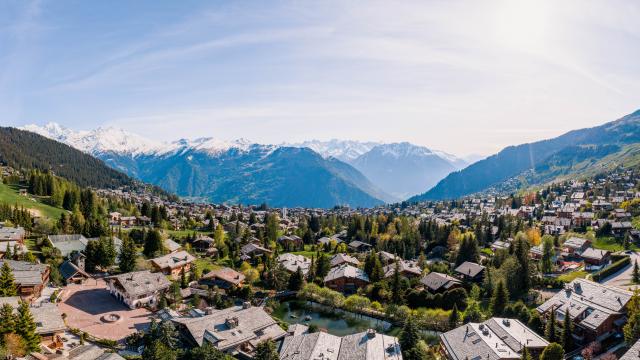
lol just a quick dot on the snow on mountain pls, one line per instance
(345, 150)
(119, 141)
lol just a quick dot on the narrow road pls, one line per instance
(622, 278)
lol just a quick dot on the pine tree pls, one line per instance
(553, 352)
(454, 317)
(26, 327)
(153, 244)
(525, 354)
(567, 338)
(296, 280)
(396, 289)
(550, 327)
(7, 322)
(636, 273)
(184, 283)
(7, 282)
(409, 336)
(500, 298)
(266, 350)
(127, 256)
(8, 255)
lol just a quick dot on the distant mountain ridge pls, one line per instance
(400, 169)
(575, 152)
(227, 171)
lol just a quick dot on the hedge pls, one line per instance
(611, 269)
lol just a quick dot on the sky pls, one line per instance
(466, 77)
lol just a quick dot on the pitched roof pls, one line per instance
(339, 259)
(404, 266)
(346, 271)
(231, 327)
(68, 243)
(469, 268)
(594, 254)
(141, 282)
(436, 281)
(173, 260)
(367, 345)
(48, 318)
(225, 274)
(26, 273)
(292, 262)
(633, 353)
(68, 269)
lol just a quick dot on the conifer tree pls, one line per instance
(567, 338)
(410, 335)
(296, 280)
(525, 354)
(7, 320)
(7, 282)
(266, 350)
(454, 317)
(127, 256)
(550, 328)
(500, 298)
(26, 327)
(636, 273)
(396, 290)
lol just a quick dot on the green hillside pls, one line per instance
(9, 194)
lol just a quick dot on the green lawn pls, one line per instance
(610, 243)
(184, 233)
(573, 275)
(9, 194)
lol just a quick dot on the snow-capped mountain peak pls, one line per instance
(345, 150)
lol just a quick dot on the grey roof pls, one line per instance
(292, 262)
(404, 266)
(171, 245)
(68, 243)
(367, 345)
(68, 269)
(495, 339)
(252, 248)
(575, 242)
(435, 281)
(48, 318)
(633, 353)
(231, 327)
(173, 260)
(14, 301)
(468, 268)
(339, 259)
(26, 273)
(11, 233)
(225, 274)
(594, 254)
(91, 352)
(583, 297)
(346, 271)
(141, 282)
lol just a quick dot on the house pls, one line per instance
(67, 244)
(327, 240)
(500, 245)
(49, 323)
(172, 246)
(224, 278)
(173, 264)
(13, 247)
(470, 271)
(388, 258)
(15, 234)
(367, 345)
(596, 310)
(596, 257)
(359, 246)
(291, 241)
(494, 339)
(620, 228)
(138, 289)
(128, 221)
(205, 244)
(29, 278)
(437, 282)
(346, 279)
(408, 269)
(292, 262)
(72, 270)
(339, 259)
(251, 250)
(575, 246)
(235, 330)
(88, 352)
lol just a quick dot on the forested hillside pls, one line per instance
(26, 150)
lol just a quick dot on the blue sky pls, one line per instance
(460, 76)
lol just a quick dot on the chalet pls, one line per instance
(339, 259)
(368, 345)
(138, 289)
(408, 269)
(292, 262)
(252, 250)
(500, 245)
(29, 278)
(290, 241)
(327, 240)
(575, 246)
(72, 270)
(171, 246)
(359, 246)
(173, 264)
(620, 228)
(236, 330)
(205, 244)
(437, 282)
(388, 258)
(470, 271)
(224, 278)
(346, 278)
(15, 234)
(494, 339)
(596, 310)
(127, 221)
(49, 324)
(596, 257)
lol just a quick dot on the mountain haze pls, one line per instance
(544, 160)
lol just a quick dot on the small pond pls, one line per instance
(334, 321)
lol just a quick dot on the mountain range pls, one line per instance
(576, 153)
(313, 174)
